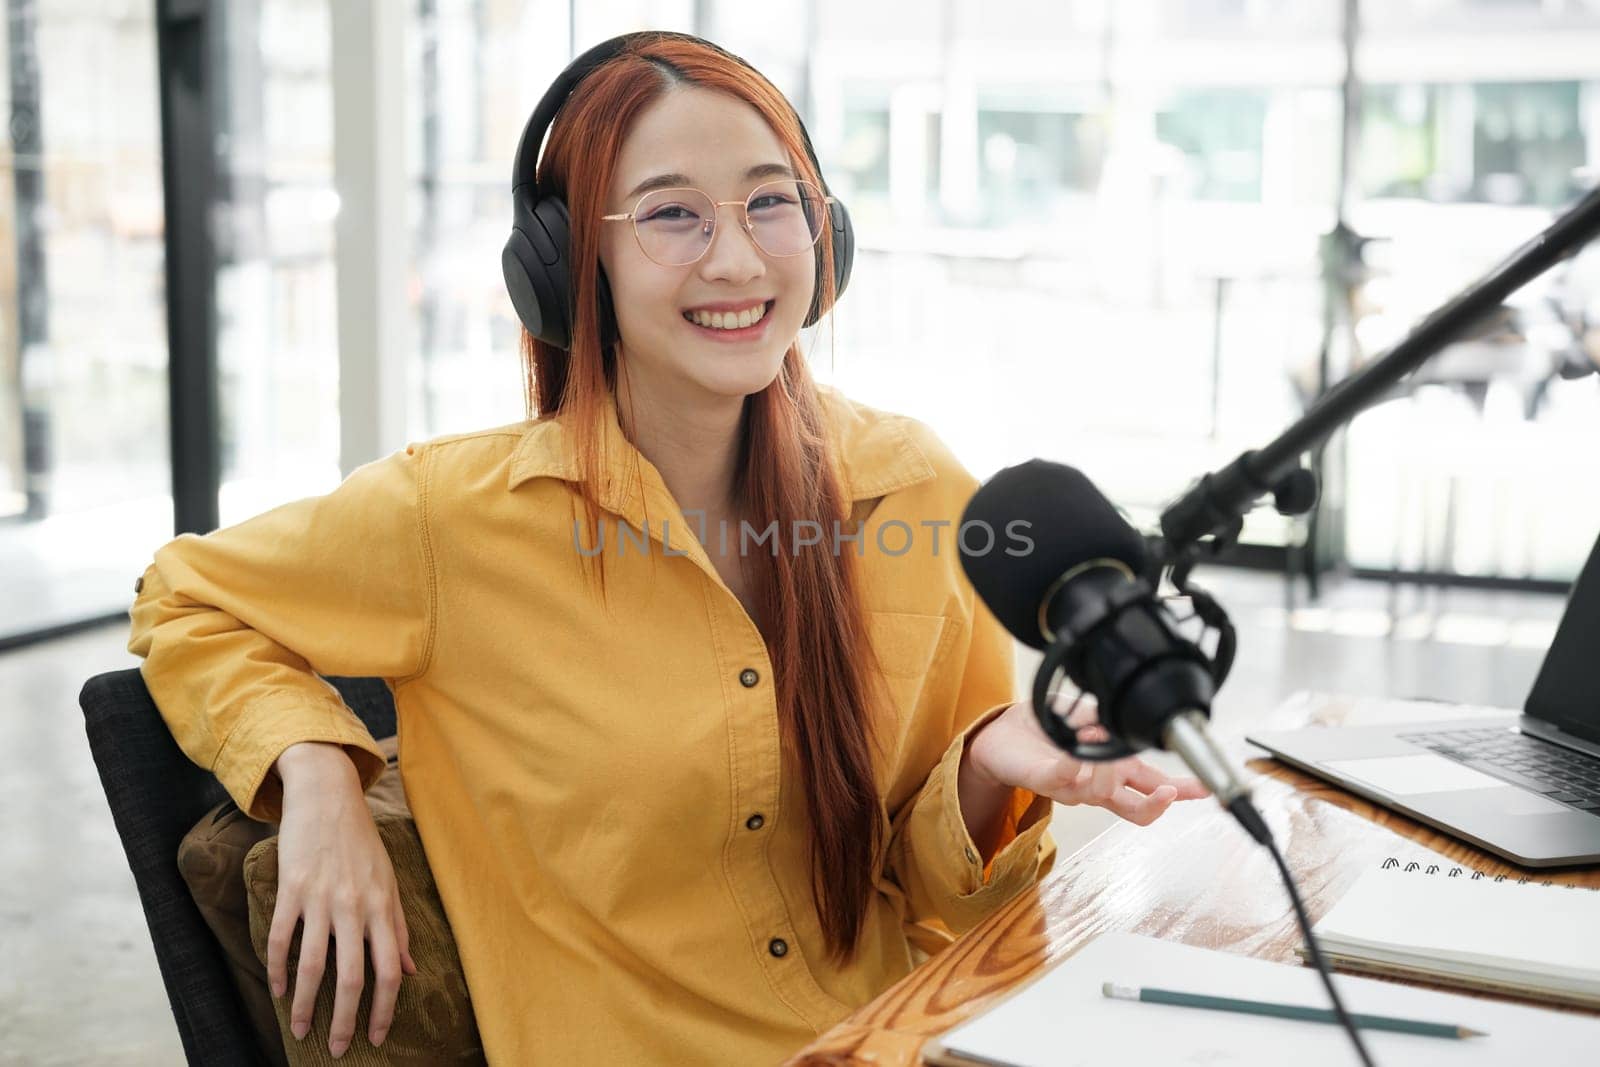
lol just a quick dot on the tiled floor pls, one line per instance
(78, 978)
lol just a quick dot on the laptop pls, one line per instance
(1523, 787)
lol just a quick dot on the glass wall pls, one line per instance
(277, 316)
(1101, 220)
(476, 69)
(474, 72)
(1097, 232)
(1107, 222)
(1480, 122)
(1087, 230)
(85, 483)
(84, 474)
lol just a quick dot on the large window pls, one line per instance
(1464, 153)
(1135, 284)
(85, 482)
(277, 321)
(1031, 161)
(864, 154)
(475, 72)
(1220, 133)
(1096, 232)
(1506, 143)
(1116, 262)
(1090, 231)
(83, 391)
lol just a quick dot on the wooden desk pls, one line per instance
(1193, 876)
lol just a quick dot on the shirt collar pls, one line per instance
(874, 453)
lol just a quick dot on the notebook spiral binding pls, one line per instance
(1476, 876)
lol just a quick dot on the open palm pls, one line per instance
(1013, 750)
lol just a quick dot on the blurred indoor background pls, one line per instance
(1136, 236)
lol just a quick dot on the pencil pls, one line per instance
(1284, 1011)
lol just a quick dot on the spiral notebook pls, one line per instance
(1505, 934)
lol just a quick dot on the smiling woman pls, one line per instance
(730, 418)
(682, 805)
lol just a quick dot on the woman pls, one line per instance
(697, 773)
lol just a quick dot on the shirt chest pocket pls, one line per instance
(908, 648)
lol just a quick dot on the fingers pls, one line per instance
(1080, 712)
(285, 915)
(352, 951)
(391, 958)
(1145, 778)
(336, 874)
(386, 970)
(1141, 775)
(1093, 734)
(403, 935)
(1067, 781)
(1130, 788)
(1142, 809)
(1104, 781)
(308, 976)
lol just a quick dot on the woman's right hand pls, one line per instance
(334, 875)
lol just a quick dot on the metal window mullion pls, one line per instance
(188, 174)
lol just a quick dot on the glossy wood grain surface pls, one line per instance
(1193, 876)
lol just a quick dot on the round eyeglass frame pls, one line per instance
(716, 218)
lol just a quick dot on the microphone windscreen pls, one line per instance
(1069, 522)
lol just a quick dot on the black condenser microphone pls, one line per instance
(1079, 592)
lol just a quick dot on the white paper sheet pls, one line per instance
(1062, 1020)
(1532, 931)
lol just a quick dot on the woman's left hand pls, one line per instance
(1013, 750)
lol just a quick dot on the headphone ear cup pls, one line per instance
(535, 265)
(844, 253)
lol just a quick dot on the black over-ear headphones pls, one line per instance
(537, 257)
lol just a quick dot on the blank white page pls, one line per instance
(1529, 928)
(1062, 1020)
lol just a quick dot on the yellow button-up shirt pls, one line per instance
(584, 775)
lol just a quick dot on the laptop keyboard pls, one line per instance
(1560, 774)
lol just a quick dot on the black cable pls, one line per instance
(1256, 826)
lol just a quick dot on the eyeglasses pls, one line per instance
(675, 226)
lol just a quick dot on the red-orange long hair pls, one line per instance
(809, 600)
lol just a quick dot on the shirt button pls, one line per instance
(748, 678)
(778, 947)
(138, 584)
(755, 822)
(972, 857)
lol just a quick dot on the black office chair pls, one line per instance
(157, 795)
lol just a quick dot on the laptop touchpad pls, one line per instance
(1404, 775)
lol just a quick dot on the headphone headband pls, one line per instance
(525, 166)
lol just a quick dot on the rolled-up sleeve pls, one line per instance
(235, 626)
(931, 857)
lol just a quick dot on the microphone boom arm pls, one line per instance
(1216, 504)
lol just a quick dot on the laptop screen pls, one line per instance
(1567, 692)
